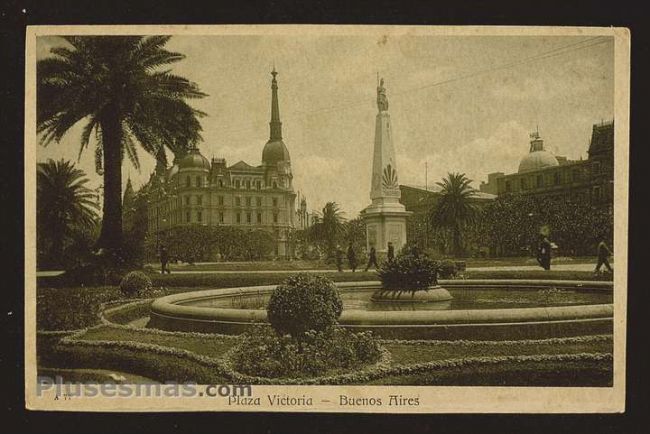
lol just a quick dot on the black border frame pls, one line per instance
(13, 22)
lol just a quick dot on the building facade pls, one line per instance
(541, 173)
(195, 190)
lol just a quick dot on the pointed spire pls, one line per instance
(276, 125)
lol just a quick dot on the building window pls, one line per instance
(275, 202)
(275, 184)
(575, 175)
(220, 182)
(595, 167)
(237, 201)
(188, 182)
(238, 217)
(248, 218)
(221, 217)
(248, 201)
(248, 184)
(597, 193)
(199, 200)
(199, 216)
(221, 200)
(198, 181)
(187, 200)
(523, 184)
(540, 181)
(259, 201)
(259, 217)
(275, 217)
(188, 217)
(508, 187)
(259, 184)
(236, 183)
(556, 178)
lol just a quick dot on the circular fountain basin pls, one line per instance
(479, 309)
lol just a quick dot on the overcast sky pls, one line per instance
(459, 103)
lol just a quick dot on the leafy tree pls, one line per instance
(114, 83)
(65, 206)
(355, 232)
(455, 209)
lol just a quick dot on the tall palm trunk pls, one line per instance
(111, 233)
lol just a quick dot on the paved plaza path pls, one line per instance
(558, 267)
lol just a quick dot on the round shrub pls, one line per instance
(304, 302)
(408, 272)
(135, 283)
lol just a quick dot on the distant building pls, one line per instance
(543, 174)
(491, 185)
(195, 190)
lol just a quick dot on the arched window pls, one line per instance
(188, 182)
(198, 181)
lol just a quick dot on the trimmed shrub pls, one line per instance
(408, 272)
(302, 303)
(447, 269)
(265, 354)
(135, 283)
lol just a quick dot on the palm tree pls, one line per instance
(64, 204)
(328, 226)
(115, 85)
(455, 209)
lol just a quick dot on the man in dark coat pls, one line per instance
(603, 256)
(391, 252)
(164, 259)
(352, 258)
(372, 258)
(544, 252)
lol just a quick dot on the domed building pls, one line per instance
(195, 190)
(542, 173)
(537, 158)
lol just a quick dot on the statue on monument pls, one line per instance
(382, 99)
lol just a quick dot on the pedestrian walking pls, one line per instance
(372, 258)
(352, 258)
(391, 252)
(544, 252)
(164, 259)
(603, 256)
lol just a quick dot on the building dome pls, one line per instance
(537, 160)
(194, 160)
(274, 152)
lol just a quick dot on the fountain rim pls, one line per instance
(170, 307)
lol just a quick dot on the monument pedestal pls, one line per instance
(385, 224)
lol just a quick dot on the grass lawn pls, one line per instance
(96, 364)
(407, 354)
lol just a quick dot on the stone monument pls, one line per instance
(385, 217)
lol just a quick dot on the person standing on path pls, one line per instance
(352, 258)
(391, 252)
(544, 252)
(372, 258)
(164, 259)
(339, 259)
(603, 256)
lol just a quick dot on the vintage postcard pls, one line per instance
(388, 219)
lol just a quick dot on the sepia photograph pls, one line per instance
(390, 219)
